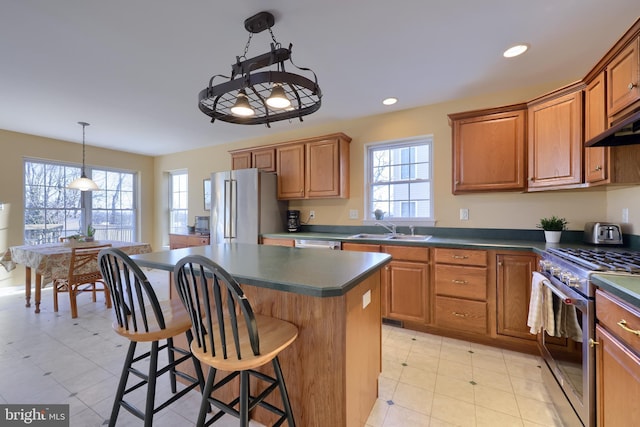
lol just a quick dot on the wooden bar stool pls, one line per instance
(140, 317)
(231, 338)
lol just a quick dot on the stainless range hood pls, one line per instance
(627, 132)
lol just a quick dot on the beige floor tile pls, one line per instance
(378, 413)
(500, 381)
(488, 418)
(391, 368)
(455, 369)
(453, 387)
(418, 377)
(398, 416)
(489, 362)
(530, 389)
(496, 400)
(422, 361)
(538, 412)
(386, 388)
(453, 411)
(414, 398)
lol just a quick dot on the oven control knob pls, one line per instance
(544, 265)
(555, 271)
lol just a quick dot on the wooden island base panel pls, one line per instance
(331, 370)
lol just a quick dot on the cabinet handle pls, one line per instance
(593, 343)
(459, 282)
(623, 325)
(459, 256)
(631, 86)
(598, 168)
(455, 313)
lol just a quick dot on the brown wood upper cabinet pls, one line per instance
(489, 149)
(314, 168)
(263, 159)
(623, 78)
(555, 139)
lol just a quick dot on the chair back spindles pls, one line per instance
(217, 306)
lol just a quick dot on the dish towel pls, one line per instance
(567, 325)
(540, 306)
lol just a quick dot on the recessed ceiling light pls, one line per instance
(389, 101)
(516, 50)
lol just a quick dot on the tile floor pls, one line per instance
(426, 380)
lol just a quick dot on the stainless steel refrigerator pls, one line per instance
(244, 205)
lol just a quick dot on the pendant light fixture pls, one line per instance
(253, 95)
(83, 183)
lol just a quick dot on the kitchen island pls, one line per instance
(333, 297)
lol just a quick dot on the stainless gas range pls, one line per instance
(567, 344)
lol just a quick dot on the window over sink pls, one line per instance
(398, 182)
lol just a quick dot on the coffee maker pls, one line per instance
(293, 221)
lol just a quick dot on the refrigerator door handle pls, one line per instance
(234, 209)
(227, 208)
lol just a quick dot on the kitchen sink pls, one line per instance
(389, 236)
(413, 237)
(365, 236)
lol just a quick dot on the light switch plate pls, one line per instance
(464, 214)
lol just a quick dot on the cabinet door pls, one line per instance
(290, 166)
(241, 160)
(513, 283)
(596, 159)
(264, 160)
(555, 142)
(617, 382)
(323, 168)
(489, 152)
(278, 242)
(623, 74)
(406, 290)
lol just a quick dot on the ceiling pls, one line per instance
(133, 69)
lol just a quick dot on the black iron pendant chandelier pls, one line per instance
(253, 95)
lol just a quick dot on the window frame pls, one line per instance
(368, 218)
(176, 229)
(86, 197)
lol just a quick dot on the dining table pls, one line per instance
(51, 261)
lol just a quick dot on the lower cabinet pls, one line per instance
(177, 241)
(278, 242)
(617, 362)
(513, 292)
(405, 283)
(461, 290)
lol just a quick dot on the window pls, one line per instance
(398, 181)
(52, 211)
(178, 201)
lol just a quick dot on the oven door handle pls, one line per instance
(566, 299)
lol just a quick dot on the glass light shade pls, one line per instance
(278, 98)
(83, 184)
(516, 50)
(242, 107)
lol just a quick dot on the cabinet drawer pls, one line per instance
(198, 240)
(462, 315)
(407, 253)
(360, 247)
(461, 256)
(610, 312)
(462, 282)
(278, 242)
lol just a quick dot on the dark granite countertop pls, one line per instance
(314, 272)
(625, 287)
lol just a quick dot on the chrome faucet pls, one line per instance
(391, 227)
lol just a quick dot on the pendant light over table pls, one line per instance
(83, 183)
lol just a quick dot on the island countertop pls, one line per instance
(313, 272)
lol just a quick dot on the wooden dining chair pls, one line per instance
(84, 276)
(230, 337)
(142, 318)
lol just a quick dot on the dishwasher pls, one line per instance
(318, 244)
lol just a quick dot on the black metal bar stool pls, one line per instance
(140, 317)
(228, 336)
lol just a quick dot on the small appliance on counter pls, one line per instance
(202, 225)
(602, 233)
(293, 221)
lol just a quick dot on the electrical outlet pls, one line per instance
(353, 214)
(366, 299)
(625, 215)
(312, 214)
(464, 214)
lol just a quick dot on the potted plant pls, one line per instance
(90, 233)
(553, 228)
